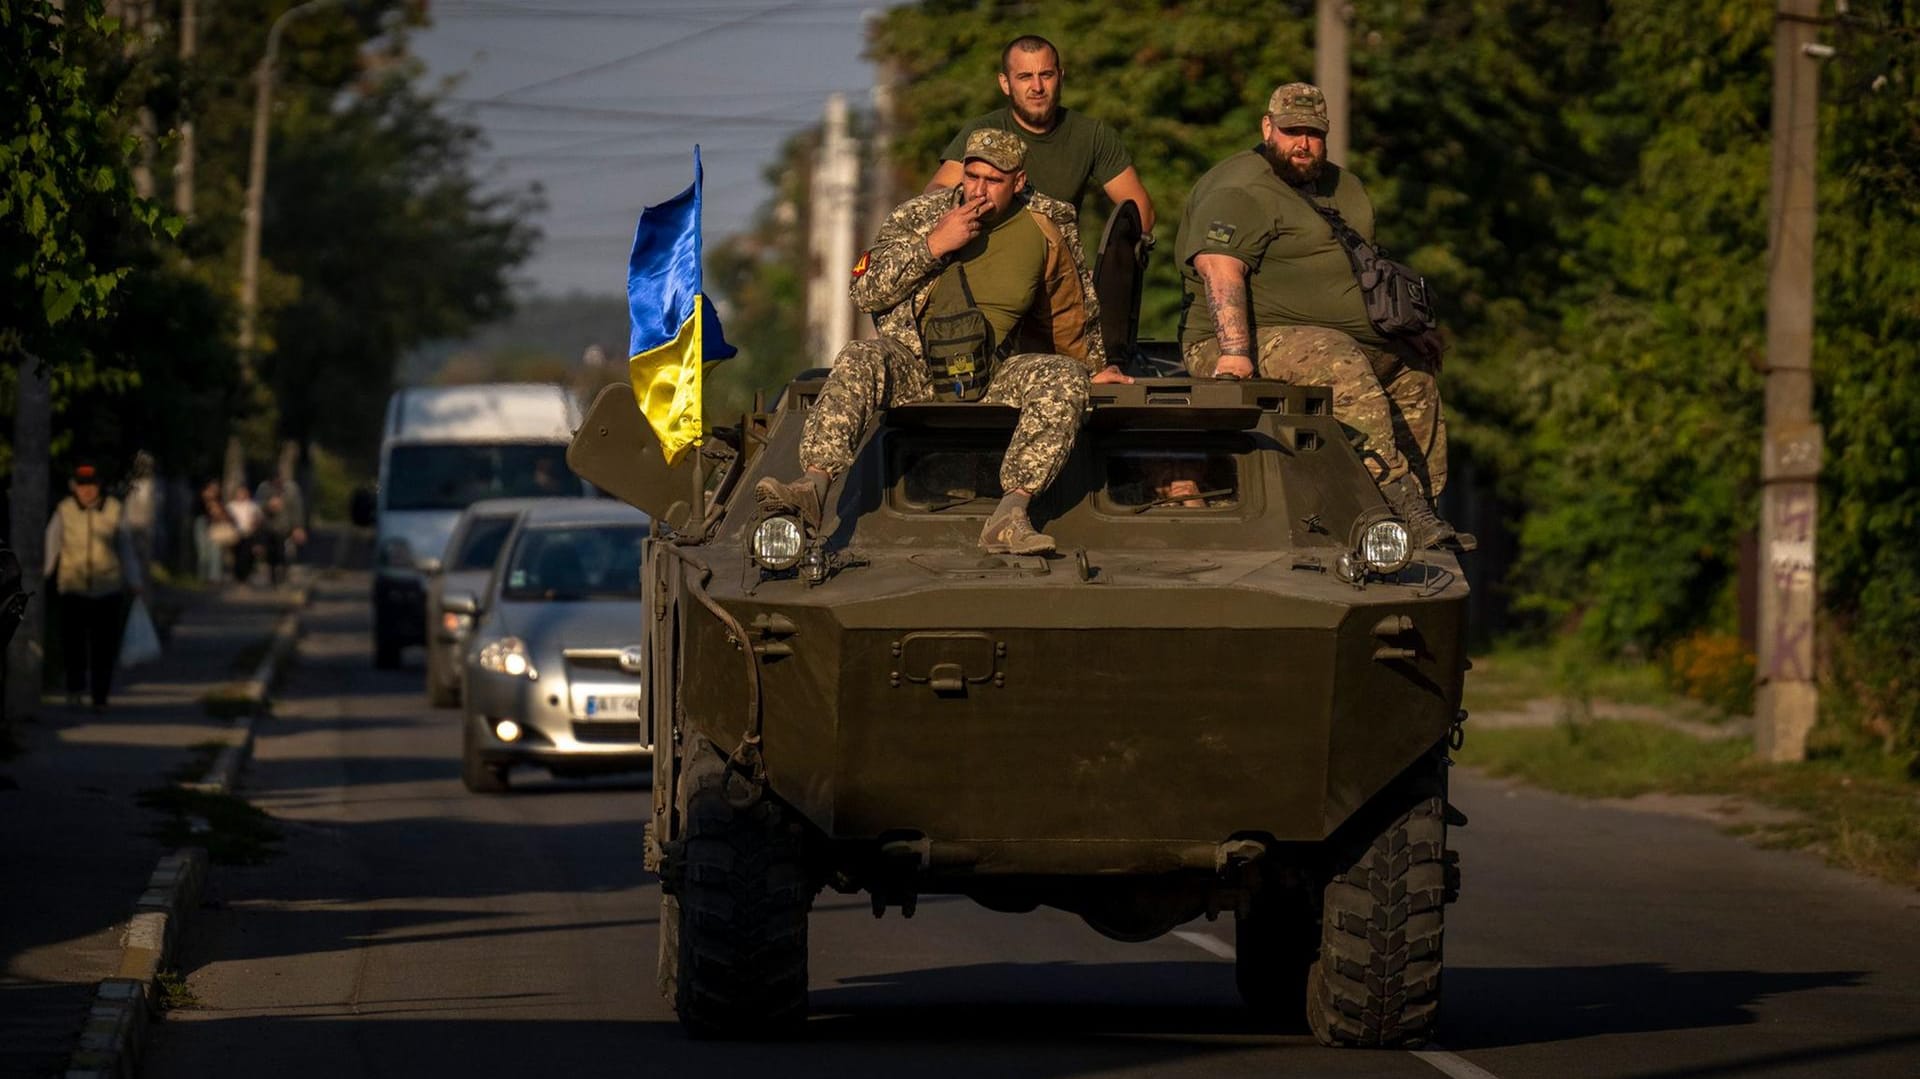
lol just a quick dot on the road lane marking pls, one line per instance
(1206, 943)
(1450, 1064)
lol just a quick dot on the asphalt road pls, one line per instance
(412, 929)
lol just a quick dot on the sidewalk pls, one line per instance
(75, 853)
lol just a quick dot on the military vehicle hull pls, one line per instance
(1207, 701)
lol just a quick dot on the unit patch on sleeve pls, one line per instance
(860, 268)
(1220, 232)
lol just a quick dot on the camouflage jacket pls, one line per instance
(894, 279)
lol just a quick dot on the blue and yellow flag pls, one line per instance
(674, 327)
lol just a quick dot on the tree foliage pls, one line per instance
(1587, 183)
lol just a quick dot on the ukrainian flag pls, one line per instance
(674, 327)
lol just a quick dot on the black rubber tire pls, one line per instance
(439, 693)
(479, 776)
(386, 650)
(1275, 944)
(1376, 983)
(740, 964)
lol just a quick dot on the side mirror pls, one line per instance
(362, 507)
(460, 603)
(396, 554)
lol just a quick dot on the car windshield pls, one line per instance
(454, 476)
(480, 545)
(575, 562)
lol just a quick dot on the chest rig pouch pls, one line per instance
(960, 349)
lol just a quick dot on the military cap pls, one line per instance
(1004, 150)
(1299, 104)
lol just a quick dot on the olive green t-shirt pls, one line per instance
(1004, 265)
(1079, 152)
(1297, 273)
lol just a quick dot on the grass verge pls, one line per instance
(1858, 812)
(232, 831)
(1512, 676)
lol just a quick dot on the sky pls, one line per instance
(600, 102)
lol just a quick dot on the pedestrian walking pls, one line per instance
(213, 533)
(91, 560)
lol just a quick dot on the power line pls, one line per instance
(651, 50)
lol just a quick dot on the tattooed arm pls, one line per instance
(1225, 278)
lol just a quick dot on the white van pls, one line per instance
(443, 448)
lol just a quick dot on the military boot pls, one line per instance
(803, 498)
(1425, 528)
(1008, 530)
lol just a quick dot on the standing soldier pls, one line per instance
(1067, 153)
(96, 564)
(980, 292)
(1265, 277)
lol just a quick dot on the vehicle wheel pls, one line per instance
(740, 916)
(1275, 944)
(386, 650)
(439, 693)
(479, 776)
(1376, 983)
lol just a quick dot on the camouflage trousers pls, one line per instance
(1389, 396)
(1049, 390)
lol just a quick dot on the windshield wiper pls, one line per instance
(1223, 492)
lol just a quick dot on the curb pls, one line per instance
(115, 1032)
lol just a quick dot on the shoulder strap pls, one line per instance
(1349, 239)
(965, 290)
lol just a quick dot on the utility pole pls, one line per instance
(882, 195)
(183, 168)
(836, 181)
(1787, 698)
(1332, 20)
(256, 198)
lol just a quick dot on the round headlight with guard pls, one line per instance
(1385, 546)
(778, 542)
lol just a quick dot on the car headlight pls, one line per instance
(1386, 546)
(455, 623)
(778, 543)
(508, 655)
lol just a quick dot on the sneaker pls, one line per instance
(1426, 528)
(803, 498)
(1009, 531)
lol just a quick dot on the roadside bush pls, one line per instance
(1713, 668)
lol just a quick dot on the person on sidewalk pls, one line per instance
(213, 533)
(248, 520)
(91, 560)
(284, 515)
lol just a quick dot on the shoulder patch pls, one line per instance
(860, 268)
(1219, 232)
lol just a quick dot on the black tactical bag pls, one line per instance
(1397, 299)
(960, 348)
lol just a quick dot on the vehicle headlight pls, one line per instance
(508, 655)
(1385, 546)
(777, 543)
(455, 624)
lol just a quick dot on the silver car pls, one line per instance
(551, 670)
(478, 537)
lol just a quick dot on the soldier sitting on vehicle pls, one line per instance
(980, 293)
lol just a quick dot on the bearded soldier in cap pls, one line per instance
(980, 292)
(1268, 287)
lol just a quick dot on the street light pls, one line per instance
(257, 180)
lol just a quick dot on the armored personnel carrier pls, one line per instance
(1232, 691)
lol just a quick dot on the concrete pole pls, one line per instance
(836, 181)
(1332, 20)
(1787, 698)
(183, 168)
(882, 194)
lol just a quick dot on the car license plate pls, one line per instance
(609, 706)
